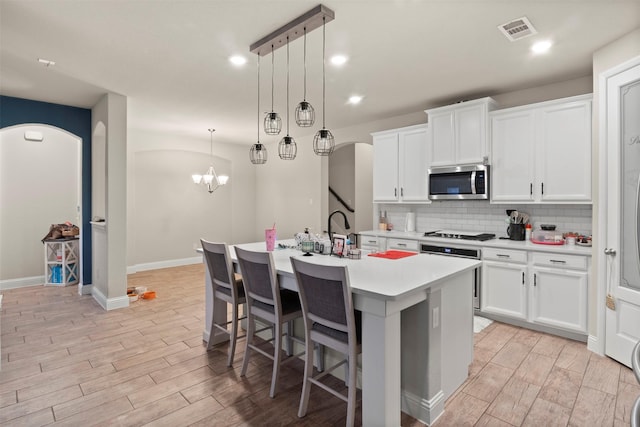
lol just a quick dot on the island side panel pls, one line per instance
(457, 331)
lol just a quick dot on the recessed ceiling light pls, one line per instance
(541, 46)
(338, 60)
(238, 60)
(355, 99)
(46, 62)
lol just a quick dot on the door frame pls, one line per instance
(598, 343)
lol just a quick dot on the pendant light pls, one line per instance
(210, 178)
(305, 114)
(272, 120)
(323, 142)
(287, 148)
(258, 152)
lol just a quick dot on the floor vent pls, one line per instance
(517, 29)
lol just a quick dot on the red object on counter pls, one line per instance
(550, 242)
(392, 254)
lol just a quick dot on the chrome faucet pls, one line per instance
(347, 226)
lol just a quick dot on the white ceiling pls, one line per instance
(170, 58)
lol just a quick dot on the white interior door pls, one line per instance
(623, 220)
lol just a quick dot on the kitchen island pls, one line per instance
(417, 328)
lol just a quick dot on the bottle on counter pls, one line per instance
(382, 223)
(527, 231)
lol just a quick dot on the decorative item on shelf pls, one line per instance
(258, 152)
(210, 178)
(323, 141)
(287, 148)
(305, 114)
(272, 120)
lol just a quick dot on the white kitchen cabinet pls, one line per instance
(403, 244)
(459, 133)
(504, 289)
(400, 160)
(372, 243)
(559, 293)
(541, 153)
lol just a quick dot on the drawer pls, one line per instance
(575, 262)
(369, 241)
(403, 244)
(507, 255)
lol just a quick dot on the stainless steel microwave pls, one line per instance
(459, 183)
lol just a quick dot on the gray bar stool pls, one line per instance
(227, 286)
(330, 320)
(266, 301)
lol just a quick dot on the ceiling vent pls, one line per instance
(517, 29)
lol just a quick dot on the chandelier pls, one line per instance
(210, 178)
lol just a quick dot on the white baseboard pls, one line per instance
(84, 289)
(426, 411)
(594, 345)
(163, 264)
(23, 282)
(109, 303)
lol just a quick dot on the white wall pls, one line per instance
(39, 186)
(168, 213)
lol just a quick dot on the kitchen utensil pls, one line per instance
(516, 231)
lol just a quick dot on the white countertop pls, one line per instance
(493, 243)
(379, 277)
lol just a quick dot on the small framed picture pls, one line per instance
(339, 244)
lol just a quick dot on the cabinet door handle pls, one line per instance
(395, 192)
(402, 191)
(531, 188)
(523, 277)
(535, 279)
(558, 261)
(503, 256)
(542, 187)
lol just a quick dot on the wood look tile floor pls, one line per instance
(66, 361)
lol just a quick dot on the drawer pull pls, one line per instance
(558, 261)
(401, 244)
(372, 241)
(503, 256)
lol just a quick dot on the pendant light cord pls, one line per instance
(211, 143)
(272, 68)
(258, 98)
(287, 85)
(324, 21)
(304, 61)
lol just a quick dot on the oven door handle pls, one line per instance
(474, 190)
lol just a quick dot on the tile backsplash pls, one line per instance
(476, 215)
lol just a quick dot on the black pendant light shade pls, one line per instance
(323, 142)
(258, 154)
(272, 120)
(287, 148)
(305, 114)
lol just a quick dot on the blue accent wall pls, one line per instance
(17, 111)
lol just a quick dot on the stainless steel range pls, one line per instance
(460, 250)
(458, 234)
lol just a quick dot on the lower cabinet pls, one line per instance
(504, 290)
(538, 288)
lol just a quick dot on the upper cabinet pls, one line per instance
(459, 133)
(400, 159)
(542, 152)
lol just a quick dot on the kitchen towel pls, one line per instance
(391, 254)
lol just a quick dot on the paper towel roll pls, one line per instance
(410, 222)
